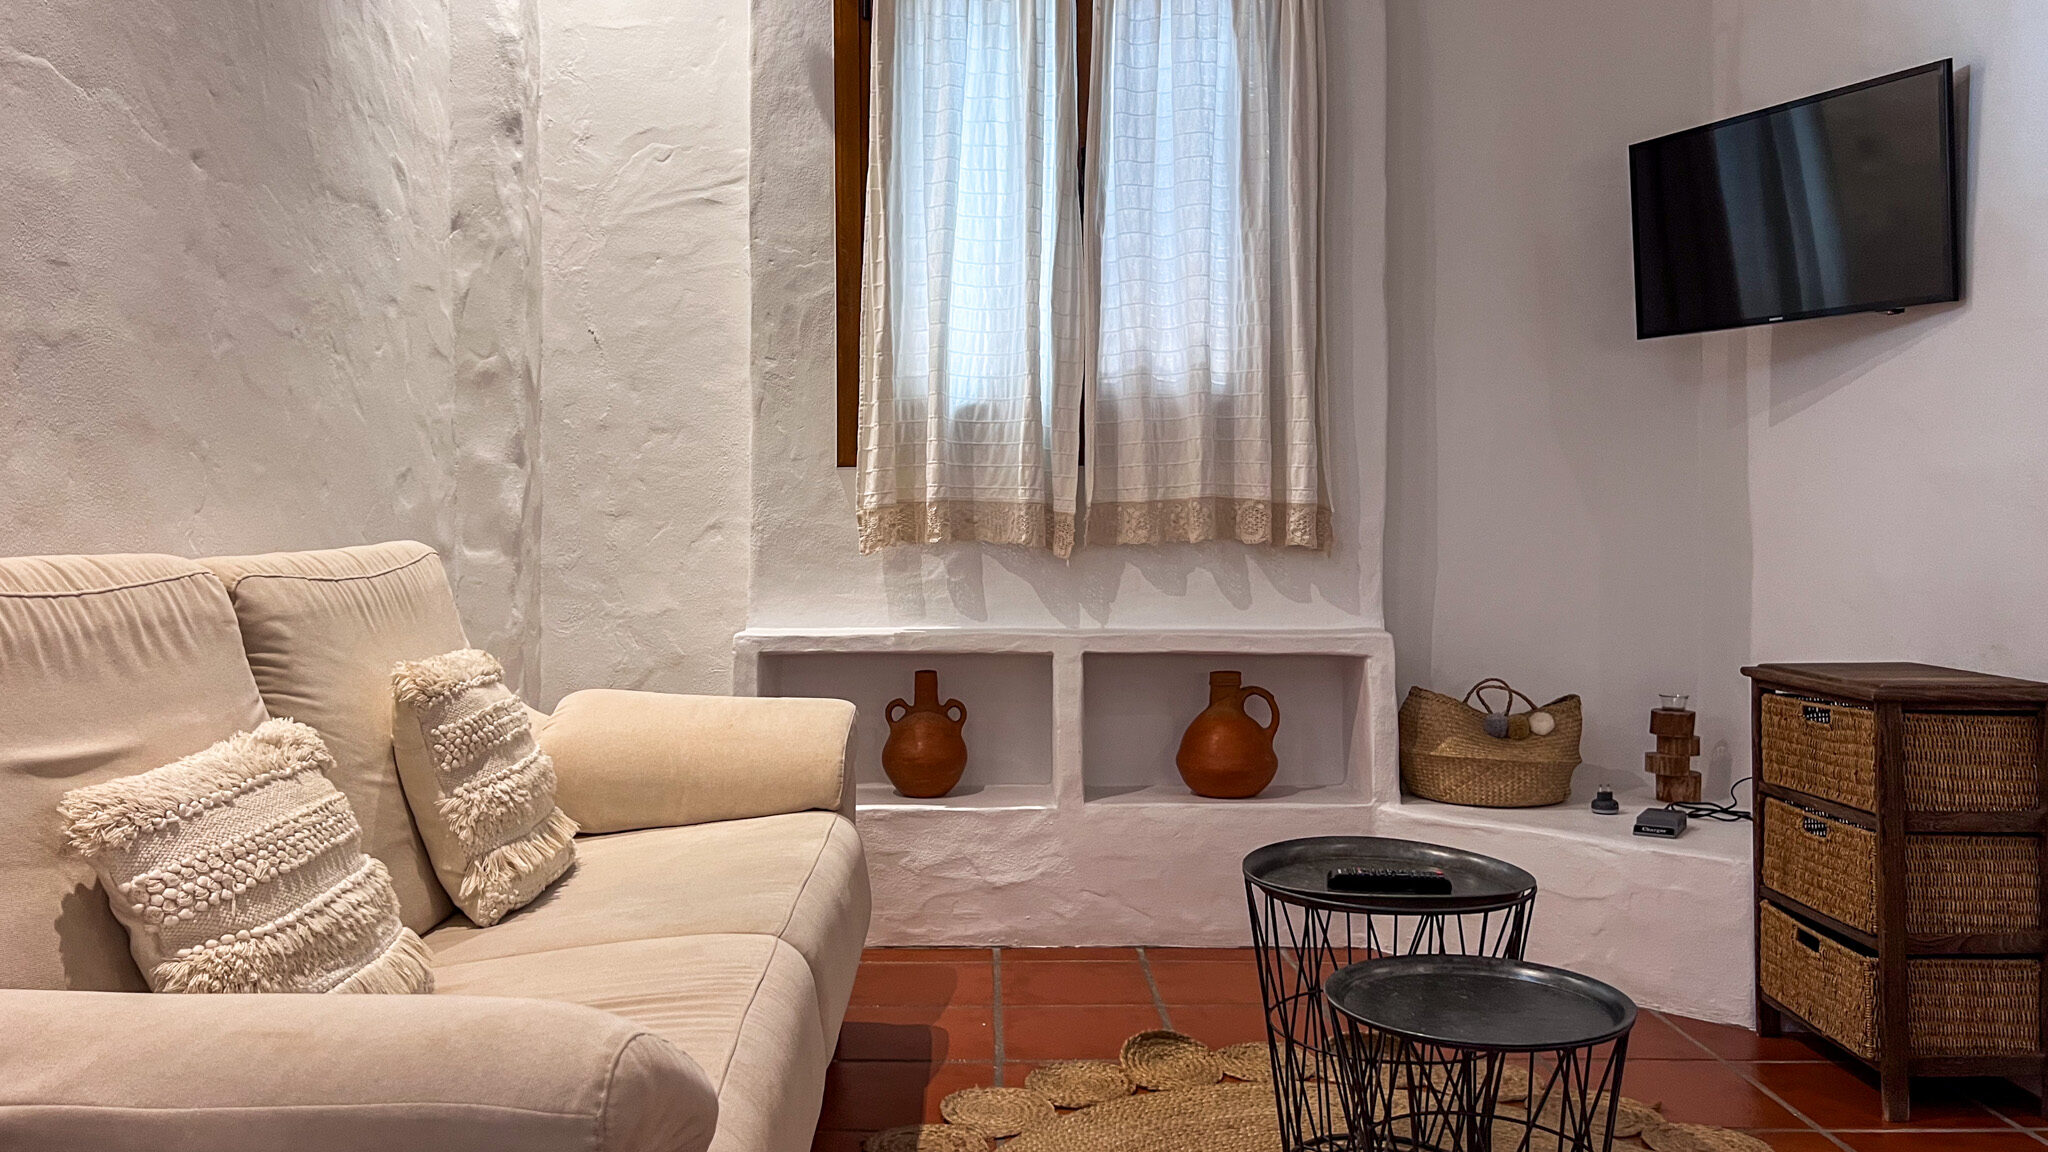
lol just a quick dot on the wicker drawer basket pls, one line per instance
(1955, 885)
(1957, 1006)
(1954, 761)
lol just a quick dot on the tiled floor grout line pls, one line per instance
(2008, 1111)
(2036, 1134)
(1830, 1133)
(2009, 1121)
(1158, 1001)
(1979, 1130)
(2000, 1113)
(995, 1011)
(1751, 1081)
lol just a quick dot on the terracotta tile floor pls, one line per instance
(927, 1021)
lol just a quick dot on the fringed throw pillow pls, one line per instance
(240, 869)
(482, 791)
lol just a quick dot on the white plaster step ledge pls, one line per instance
(1667, 921)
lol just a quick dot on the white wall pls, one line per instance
(1545, 500)
(1580, 511)
(645, 389)
(271, 283)
(228, 297)
(1897, 482)
(807, 569)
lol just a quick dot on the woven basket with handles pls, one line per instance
(1446, 754)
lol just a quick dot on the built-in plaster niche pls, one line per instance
(1072, 826)
(1137, 705)
(1009, 728)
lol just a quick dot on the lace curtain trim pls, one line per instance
(1194, 520)
(942, 521)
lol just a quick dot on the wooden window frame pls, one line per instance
(852, 60)
(853, 32)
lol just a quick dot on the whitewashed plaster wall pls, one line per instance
(1545, 497)
(1580, 511)
(1895, 465)
(495, 282)
(232, 317)
(645, 386)
(807, 570)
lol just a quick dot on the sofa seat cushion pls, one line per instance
(109, 666)
(798, 876)
(743, 1007)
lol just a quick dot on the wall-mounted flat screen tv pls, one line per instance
(1842, 202)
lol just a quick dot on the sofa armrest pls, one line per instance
(114, 1071)
(656, 760)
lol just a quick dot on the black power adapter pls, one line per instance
(1667, 823)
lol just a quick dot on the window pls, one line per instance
(982, 315)
(852, 65)
(1204, 198)
(971, 352)
(852, 58)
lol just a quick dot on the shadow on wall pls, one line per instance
(1813, 359)
(1412, 545)
(1084, 590)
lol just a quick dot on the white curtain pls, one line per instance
(970, 359)
(1204, 174)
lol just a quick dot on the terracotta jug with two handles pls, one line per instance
(925, 754)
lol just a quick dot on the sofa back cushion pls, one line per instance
(322, 630)
(109, 666)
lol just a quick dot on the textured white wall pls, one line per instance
(645, 388)
(229, 308)
(495, 281)
(222, 297)
(807, 570)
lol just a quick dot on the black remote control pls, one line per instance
(1391, 881)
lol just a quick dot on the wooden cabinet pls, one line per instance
(1901, 815)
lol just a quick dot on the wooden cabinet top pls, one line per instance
(1902, 682)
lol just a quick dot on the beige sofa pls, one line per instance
(681, 988)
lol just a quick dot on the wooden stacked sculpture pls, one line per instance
(1672, 761)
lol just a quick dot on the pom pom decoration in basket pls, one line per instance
(1447, 755)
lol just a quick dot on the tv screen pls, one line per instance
(1841, 202)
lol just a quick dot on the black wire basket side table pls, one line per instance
(1429, 1041)
(1302, 932)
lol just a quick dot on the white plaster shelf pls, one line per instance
(1011, 716)
(1136, 705)
(1096, 714)
(1349, 642)
(984, 797)
(1072, 826)
(1705, 840)
(1177, 795)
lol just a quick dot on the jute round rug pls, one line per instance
(1236, 1115)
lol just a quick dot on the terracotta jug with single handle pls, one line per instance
(1225, 753)
(925, 754)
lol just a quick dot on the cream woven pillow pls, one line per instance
(482, 792)
(241, 869)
